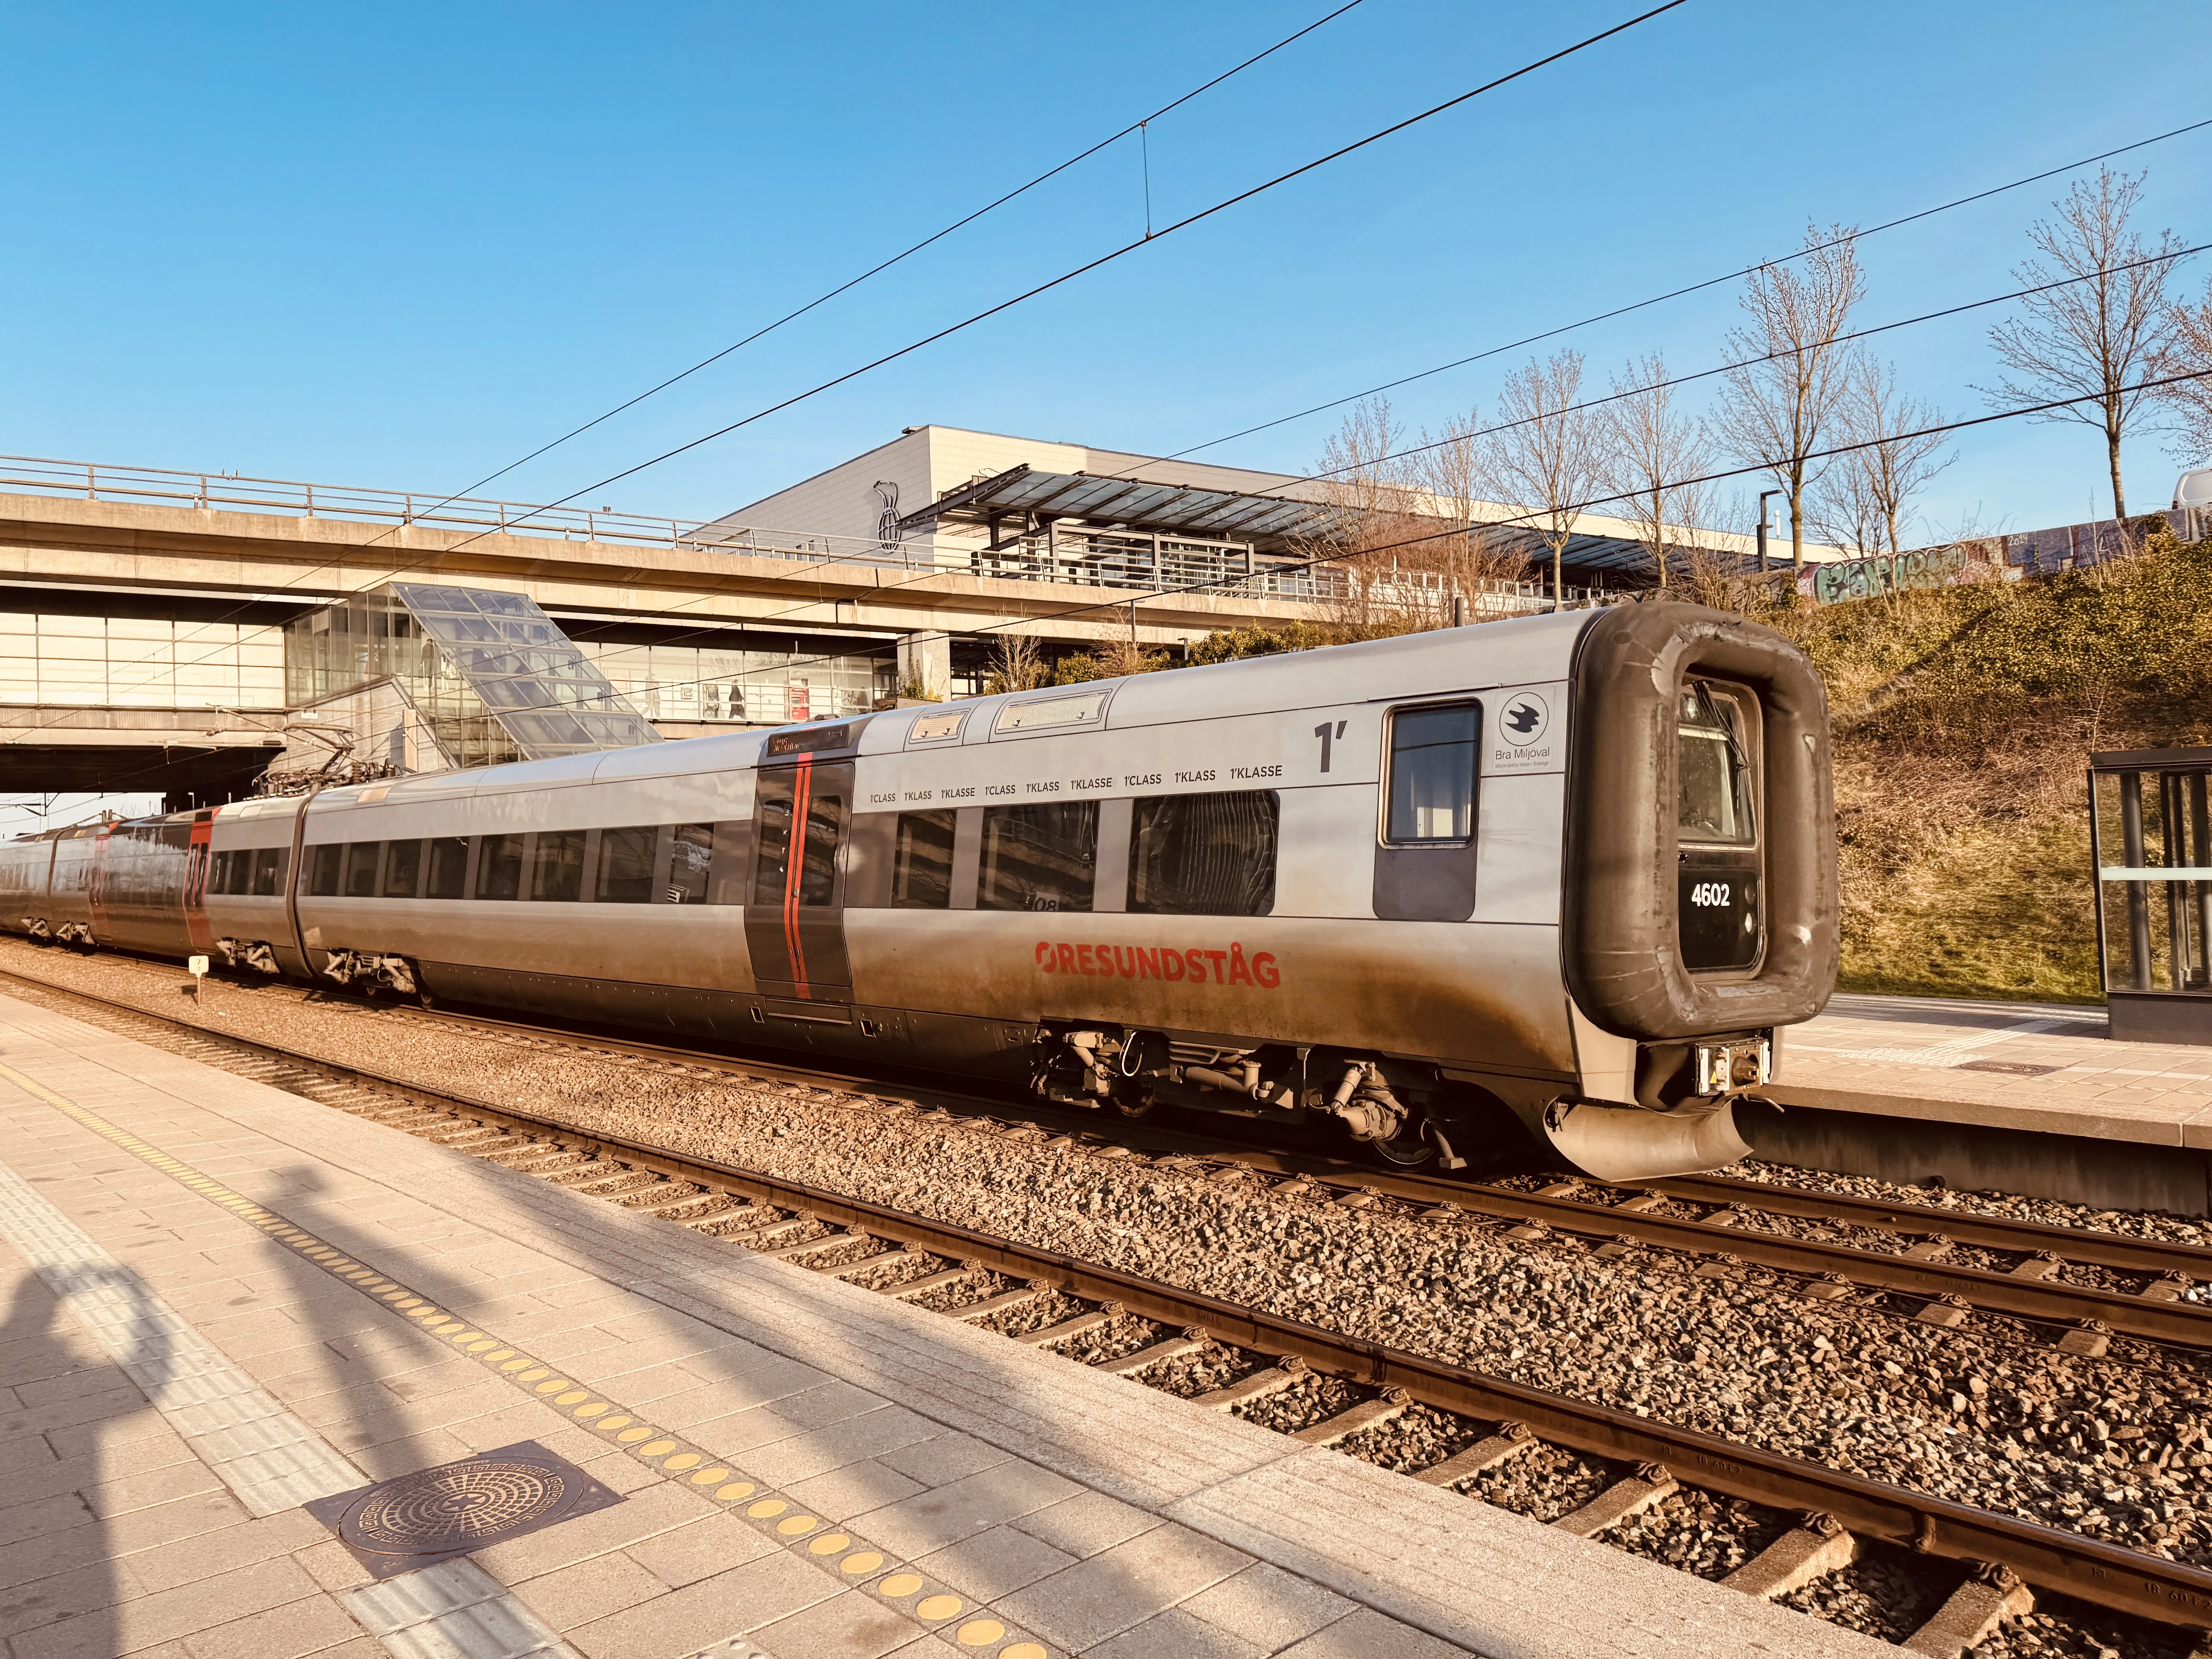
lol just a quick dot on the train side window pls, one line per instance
(625, 874)
(1205, 855)
(268, 878)
(922, 861)
(218, 874)
(323, 875)
(558, 866)
(1432, 766)
(690, 861)
(1042, 857)
(449, 868)
(499, 867)
(403, 869)
(360, 868)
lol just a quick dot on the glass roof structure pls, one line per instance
(495, 676)
(1220, 514)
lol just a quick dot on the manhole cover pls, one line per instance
(413, 1520)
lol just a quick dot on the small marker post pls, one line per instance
(198, 967)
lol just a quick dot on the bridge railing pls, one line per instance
(1220, 568)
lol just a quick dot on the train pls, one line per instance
(1566, 875)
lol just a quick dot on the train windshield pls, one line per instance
(1714, 776)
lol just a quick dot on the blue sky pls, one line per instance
(405, 245)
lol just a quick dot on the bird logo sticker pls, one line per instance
(1524, 720)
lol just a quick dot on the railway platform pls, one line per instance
(273, 1368)
(1907, 1088)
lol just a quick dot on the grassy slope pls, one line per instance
(1963, 718)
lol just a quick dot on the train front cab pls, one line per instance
(1699, 898)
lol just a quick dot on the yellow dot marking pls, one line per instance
(514, 1364)
(937, 1607)
(614, 1423)
(901, 1583)
(828, 1544)
(797, 1524)
(708, 1477)
(532, 1375)
(504, 1353)
(861, 1564)
(1023, 1651)
(631, 1437)
(573, 1397)
(555, 1387)
(658, 1449)
(767, 1507)
(734, 1491)
(488, 1342)
(979, 1632)
(681, 1462)
(592, 1410)
(449, 1328)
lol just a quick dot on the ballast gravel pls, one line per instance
(2115, 1448)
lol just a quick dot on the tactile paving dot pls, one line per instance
(900, 1584)
(937, 1607)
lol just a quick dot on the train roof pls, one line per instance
(1518, 650)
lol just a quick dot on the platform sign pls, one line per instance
(198, 967)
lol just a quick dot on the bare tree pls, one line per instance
(1656, 453)
(1549, 451)
(2092, 338)
(1899, 457)
(2189, 351)
(1017, 663)
(1778, 398)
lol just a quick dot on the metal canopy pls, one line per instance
(1220, 514)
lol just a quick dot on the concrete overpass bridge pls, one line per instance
(143, 612)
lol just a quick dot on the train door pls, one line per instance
(795, 899)
(199, 857)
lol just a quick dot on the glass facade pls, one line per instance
(496, 679)
(758, 687)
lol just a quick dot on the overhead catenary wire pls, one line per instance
(1529, 518)
(1806, 252)
(1200, 216)
(2166, 256)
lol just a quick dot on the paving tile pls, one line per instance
(700, 1549)
(931, 1520)
(573, 1596)
(257, 1539)
(800, 1454)
(1123, 1586)
(175, 1614)
(850, 1624)
(1368, 1635)
(729, 1604)
(313, 1625)
(944, 1458)
(855, 1489)
(994, 1564)
(1265, 1604)
(42, 1515)
(1088, 1522)
(1175, 1635)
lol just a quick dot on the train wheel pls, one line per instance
(1407, 1154)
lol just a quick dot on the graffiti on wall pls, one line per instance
(1991, 559)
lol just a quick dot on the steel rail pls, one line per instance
(2181, 1323)
(2104, 1574)
(1995, 1232)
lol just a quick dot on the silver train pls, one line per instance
(1573, 871)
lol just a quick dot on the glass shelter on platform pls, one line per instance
(2150, 837)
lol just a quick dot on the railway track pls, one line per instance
(1903, 1261)
(980, 1277)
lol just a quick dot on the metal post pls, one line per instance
(2201, 825)
(2097, 882)
(2131, 850)
(2174, 841)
